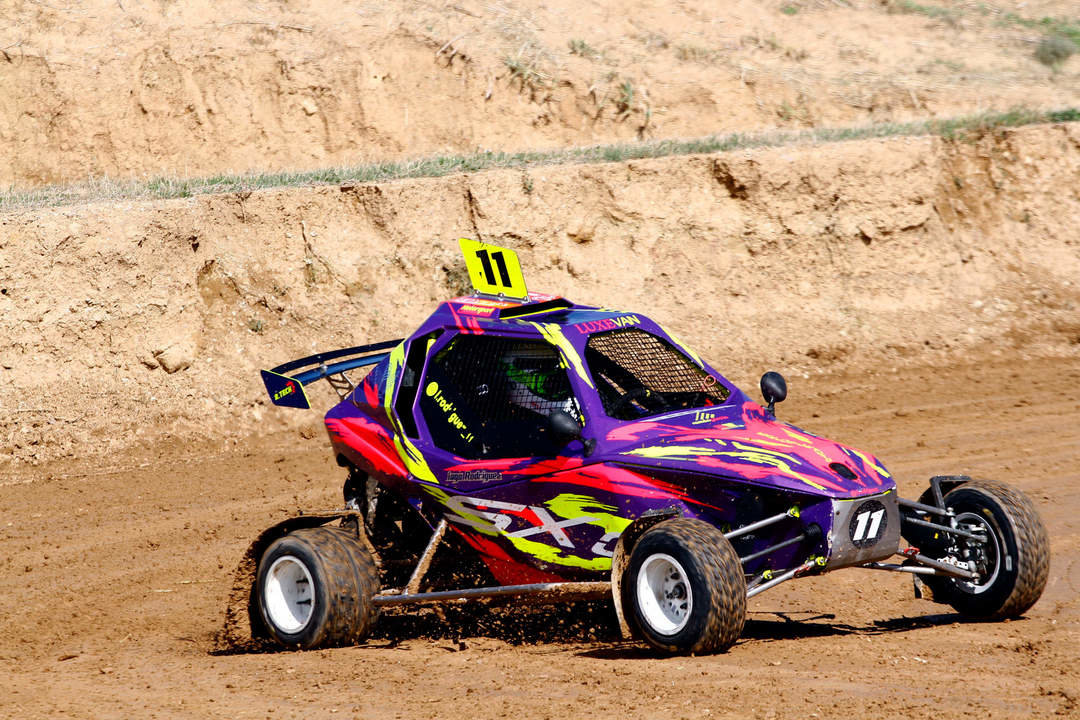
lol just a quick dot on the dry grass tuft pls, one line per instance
(1053, 50)
(172, 187)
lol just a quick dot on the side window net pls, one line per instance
(489, 396)
(638, 374)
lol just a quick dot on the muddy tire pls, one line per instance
(1014, 562)
(684, 589)
(314, 588)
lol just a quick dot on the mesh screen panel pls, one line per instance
(638, 374)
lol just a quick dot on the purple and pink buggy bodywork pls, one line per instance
(703, 462)
(559, 506)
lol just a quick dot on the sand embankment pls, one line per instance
(204, 87)
(126, 323)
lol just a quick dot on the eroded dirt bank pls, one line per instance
(99, 87)
(127, 324)
(116, 576)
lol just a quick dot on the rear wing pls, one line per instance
(287, 390)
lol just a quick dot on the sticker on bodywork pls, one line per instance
(285, 391)
(868, 524)
(591, 326)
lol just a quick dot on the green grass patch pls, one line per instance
(582, 48)
(1062, 27)
(171, 188)
(908, 7)
(1054, 50)
(696, 53)
(1060, 40)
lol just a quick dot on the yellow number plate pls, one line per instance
(494, 270)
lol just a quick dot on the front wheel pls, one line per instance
(1012, 564)
(684, 591)
(314, 588)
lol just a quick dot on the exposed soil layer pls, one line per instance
(116, 576)
(100, 87)
(130, 323)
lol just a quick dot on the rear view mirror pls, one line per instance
(773, 389)
(563, 426)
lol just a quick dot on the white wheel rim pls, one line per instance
(287, 595)
(663, 594)
(993, 550)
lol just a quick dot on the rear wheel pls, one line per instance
(1012, 564)
(314, 588)
(685, 591)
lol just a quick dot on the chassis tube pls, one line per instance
(557, 591)
(777, 546)
(793, 572)
(413, 586)
(893, 567)
(943, 528)
(793, 513)
(944, 567)
(923, 507)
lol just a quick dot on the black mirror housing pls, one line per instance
(773, 389)
(563, 426)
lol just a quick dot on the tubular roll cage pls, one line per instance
(916, 563)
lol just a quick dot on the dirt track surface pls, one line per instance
(116, 575)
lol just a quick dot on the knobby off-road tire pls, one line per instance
(314, 588)
(684, 589)
(1016, 557)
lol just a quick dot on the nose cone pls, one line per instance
(743, 441)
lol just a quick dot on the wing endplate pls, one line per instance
(284, 390)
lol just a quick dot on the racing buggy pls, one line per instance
(580, 452)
